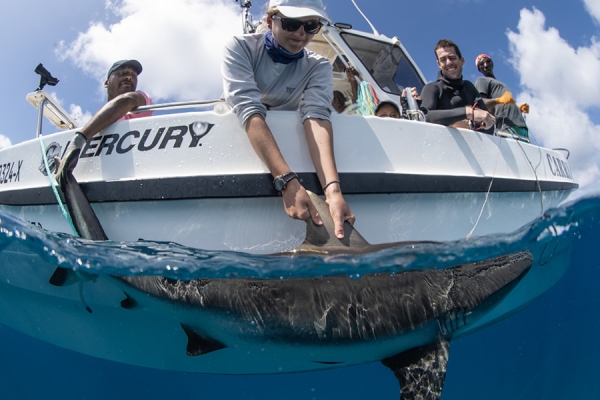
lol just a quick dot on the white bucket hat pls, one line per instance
(300, 8)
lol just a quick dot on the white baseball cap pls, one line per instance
(300, 8)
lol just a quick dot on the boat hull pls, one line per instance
(193, 178)
(260, 226)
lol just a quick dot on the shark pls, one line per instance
(404, 320)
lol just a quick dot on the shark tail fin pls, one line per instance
(421, 371)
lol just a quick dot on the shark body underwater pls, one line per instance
(405, 320)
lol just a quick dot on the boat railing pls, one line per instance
(50, 108)
(563, 149)
(180, 105)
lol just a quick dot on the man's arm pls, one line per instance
(319, 137)
(112, 112)
(489, 103)
(240, 86)
(506, 98)
(429, 104)
(351, 72)
(296, 201)
(482, 116)
(314, 111)
(109, 113)
(482, 85)
(480, 113)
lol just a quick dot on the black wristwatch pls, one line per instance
(280, 181)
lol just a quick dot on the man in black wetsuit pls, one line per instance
(450, 100)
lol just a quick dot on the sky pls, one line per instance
(546, 51)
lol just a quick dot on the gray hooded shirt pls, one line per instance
(253, 83)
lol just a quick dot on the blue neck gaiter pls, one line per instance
(277, 53)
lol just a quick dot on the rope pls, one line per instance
(53, 186)
(81, 275)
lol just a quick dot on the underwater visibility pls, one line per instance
(547, 350)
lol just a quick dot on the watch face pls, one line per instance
(279, 184)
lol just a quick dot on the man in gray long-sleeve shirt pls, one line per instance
(273, 71)
(499, 100)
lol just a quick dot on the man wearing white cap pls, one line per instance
(274, 71)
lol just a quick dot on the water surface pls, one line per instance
(548, 350)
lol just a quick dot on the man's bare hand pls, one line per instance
(340, 212)
(413, 92)
(351, 72)
(486, 119)
(297, 203)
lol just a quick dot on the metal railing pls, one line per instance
(179, 105)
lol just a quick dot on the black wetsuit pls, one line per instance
(444, 100)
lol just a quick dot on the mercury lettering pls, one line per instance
(165, 137)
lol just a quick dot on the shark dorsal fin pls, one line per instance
(322, 238)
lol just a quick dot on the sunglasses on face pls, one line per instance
(291, 25)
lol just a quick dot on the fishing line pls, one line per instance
(553, 228)
(487, 195)
(482, 208)
(87, 308)
(537, 181)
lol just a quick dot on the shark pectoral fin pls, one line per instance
(199, 344)
(129, 303)
(63, 277)
(84, 218)
(421, 371)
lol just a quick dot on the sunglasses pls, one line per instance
(291, 25)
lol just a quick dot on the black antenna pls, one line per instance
(46, 77)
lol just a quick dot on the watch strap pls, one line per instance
(281, 181)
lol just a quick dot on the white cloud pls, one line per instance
(75, 112)
(561, 84)
(178, 42)
(593, 7)
(80, 117)
(4, 142)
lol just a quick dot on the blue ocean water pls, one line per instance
(548, 350)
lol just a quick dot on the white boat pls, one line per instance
(192, 177)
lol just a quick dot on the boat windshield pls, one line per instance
(387, 63)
